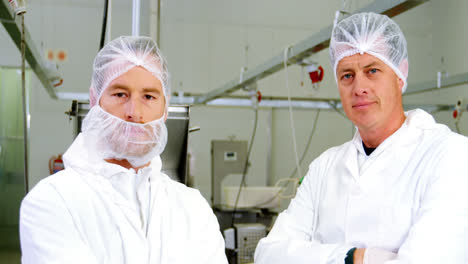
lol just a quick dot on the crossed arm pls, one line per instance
(439, 232)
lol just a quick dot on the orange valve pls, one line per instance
(259, 96)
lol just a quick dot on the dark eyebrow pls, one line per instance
(118, 86)
(372, 64)
(151, 90)
(345, 70)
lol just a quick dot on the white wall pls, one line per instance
(74, 26)
(204, 42)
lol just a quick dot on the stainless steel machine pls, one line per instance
(242, 227)
(244, 238)
(227, 157)
(174, 158)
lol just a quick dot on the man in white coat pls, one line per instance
(395, 193)
(112, 204)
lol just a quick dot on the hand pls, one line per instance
(358, 257)
(377, 256)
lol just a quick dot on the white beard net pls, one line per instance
(374, 34)
(109, 136)
(113, 138)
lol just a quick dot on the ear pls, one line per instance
(404, 68)
(165, 114)
(166, 109)
(92, 97)
(401, 84)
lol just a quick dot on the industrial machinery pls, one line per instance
(174, 158)
(227, 157)
(243, 238)
(243, 215)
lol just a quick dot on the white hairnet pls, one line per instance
(122, 54)
(371, 33)
(111, 137)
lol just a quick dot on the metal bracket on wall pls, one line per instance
(12, 25)
(446, 82)
(277, 102)
(303, 49)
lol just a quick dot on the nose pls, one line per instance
(361, 85)
(134, 111)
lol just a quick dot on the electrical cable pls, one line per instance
(309, 141)
(457, 127)
(337, 110)
(291, 117)
(104, 24)
(244, 173)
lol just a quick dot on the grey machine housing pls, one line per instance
(174, 157)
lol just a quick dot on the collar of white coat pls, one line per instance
(78, 156)
(415, 120)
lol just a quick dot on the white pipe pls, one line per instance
(153, 20)
(269, 143)
(109, 21)
(136, 18)
(73, 96)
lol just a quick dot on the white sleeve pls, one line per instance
(291, 239)
(439, 233)
(209, 245)
(47, 231)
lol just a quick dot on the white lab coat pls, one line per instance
(410, 196)
(97, 212)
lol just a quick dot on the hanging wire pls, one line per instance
(288, 180)
(333, 105)
(291, 117)
(246, 164)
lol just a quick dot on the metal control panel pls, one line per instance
(227, 157)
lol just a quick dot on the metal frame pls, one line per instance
(446, 82)
(37, 63)
(306, 48)
(277, 102)
(281, 102)
(296, 102)
(268, 102)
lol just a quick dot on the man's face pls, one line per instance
(136, 96)
(370, 91)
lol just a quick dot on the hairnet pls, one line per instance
(371, 33)
(122, 54)
(109, 136)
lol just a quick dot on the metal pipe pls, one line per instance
(444, 82)
(104, 23)
(269, 144)
(109, 21)
(136, 18)
(158, 34)
(25, 108)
